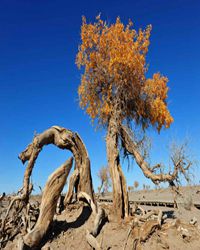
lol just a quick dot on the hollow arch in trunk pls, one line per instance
(64, 139)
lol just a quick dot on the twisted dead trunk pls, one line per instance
(72, 184)
(64, 139)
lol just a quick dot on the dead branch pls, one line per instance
(143, 226)
(89, 201)
(50, 197)
(144, 217)
(149, 172)
(92, 241)
(98, 220)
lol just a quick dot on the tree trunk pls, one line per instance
(120, 194)
(72, 183)
(82, 163)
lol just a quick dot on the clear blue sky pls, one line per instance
(39, 78)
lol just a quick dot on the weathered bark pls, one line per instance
(120, 194)
(92, 241)
(50, 197)
(82, 161)
(72, 184)
(64, 139)
(89, 201)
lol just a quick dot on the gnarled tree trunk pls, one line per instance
(120, 194)
(64, 139)
(82, 163)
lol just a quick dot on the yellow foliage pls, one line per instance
(114, 81)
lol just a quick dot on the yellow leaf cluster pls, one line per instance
(114, 81)
(156, 90)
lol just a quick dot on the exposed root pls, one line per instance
(89, 201)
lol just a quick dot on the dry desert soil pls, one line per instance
(180, 228)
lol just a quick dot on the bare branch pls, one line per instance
(149, 172)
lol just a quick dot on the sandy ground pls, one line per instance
(69, 229)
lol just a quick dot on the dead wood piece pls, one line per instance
(92, 241)
(100, 215)
(136, 237)
(60, 204)
(98, 220)
(141, 234)
(160, 217)
(89, 201)
(50, 196)
(141, 228)
(133, 224)
(64, 139)
(18, 208)
(147, 229)
(152, 214)
(147, 215)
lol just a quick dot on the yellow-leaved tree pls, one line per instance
(115, 91)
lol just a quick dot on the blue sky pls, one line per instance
(39, 78)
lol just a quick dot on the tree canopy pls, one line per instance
(114, 82)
